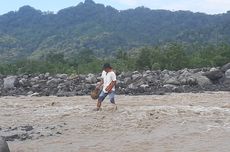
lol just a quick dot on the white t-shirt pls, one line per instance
(107, 79)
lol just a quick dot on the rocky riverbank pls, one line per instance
(131, 83)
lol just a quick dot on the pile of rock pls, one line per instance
(132, 83)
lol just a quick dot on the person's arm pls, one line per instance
(100, 84)
(113, 83)
(110, 87)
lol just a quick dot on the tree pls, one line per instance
(144, 59)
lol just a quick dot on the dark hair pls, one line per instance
(106, 65)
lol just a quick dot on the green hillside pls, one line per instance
(30, 33)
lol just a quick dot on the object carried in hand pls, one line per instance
(95, 94)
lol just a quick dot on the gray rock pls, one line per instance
(149, 78)
(125, 74)
(10, 82)
(170, 86)
(36, 86)
(183, 81)
(23, 81)
(172, 81)
(144, 86)
(225, 67)
(202, 80)
(62, 76)
(132, 86)
(214, 75)
(91, 78)
(41, 76)
(136, 76)
(25, 76)
(4, 146)
(227, 81)
(191, 81)
(213, 69)
(135, 72)
(34, 80)
(35, 94)
(29, 93)
(146, 73)
(53, 82)
(227, 74)
(127, 80)
(47, 75)
(165, 76)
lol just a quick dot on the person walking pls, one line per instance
(108, 81)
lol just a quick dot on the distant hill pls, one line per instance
(103, 29)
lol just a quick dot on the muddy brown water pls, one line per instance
(170, 123)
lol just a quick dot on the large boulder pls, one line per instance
(10, 82)
(214, 75)
(202, 80)
(4, 146)
(227, 74)
(225, 67)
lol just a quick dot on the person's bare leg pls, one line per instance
(98, 105)
(114, 106)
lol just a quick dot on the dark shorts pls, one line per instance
(103, 95)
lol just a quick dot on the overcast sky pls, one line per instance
(207, 6)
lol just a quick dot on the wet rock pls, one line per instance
(10, 82)
(4, 146)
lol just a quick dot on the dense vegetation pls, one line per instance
(172, 56)
(80, 39)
